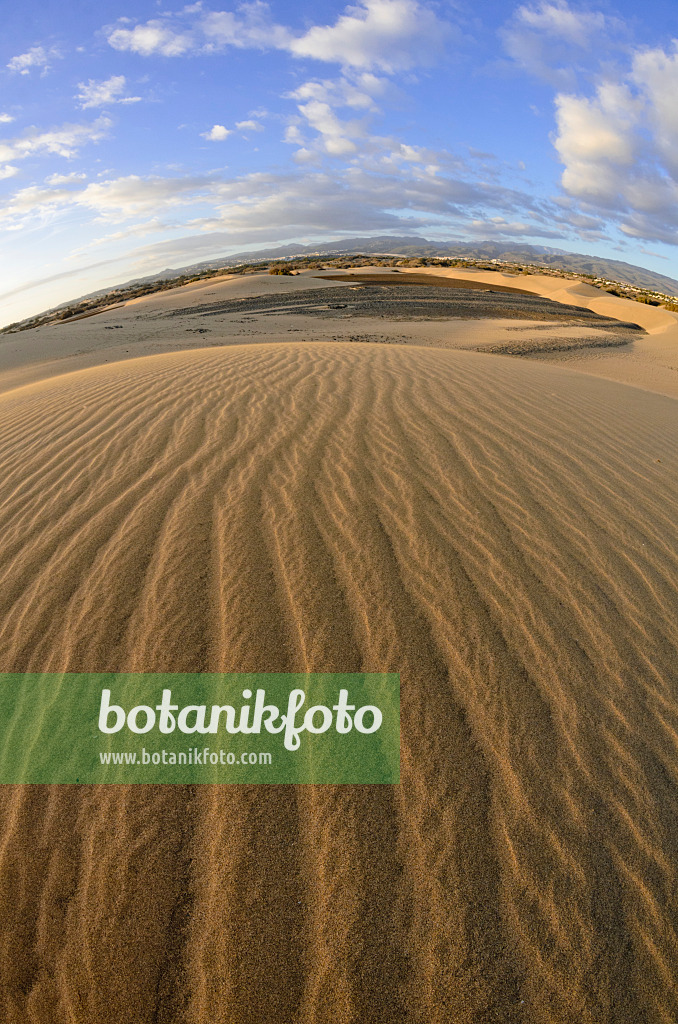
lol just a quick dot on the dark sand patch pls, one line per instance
(428, 280)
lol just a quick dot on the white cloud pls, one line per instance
(615, 111)
(28, 203)
(65, 179)
(386, 35)
(6, 118)
(65, 141)
(134, 196)
(619, 146)
(207, 32)
(115, 200)
(595, 139)
(307, 156)
(36, 57)
(552, 40)
(318, 102)
(253, 27)
(8, 171)
(560, 20)
(217, 134)
(411, 154)
(351, 138)
(655, 74)
(156, 36)
(293, 134)
(358, 91)
(369, 40)
(335, 137)
(99, 94)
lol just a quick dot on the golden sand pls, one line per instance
(501, 532)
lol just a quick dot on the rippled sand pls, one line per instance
(504, 535)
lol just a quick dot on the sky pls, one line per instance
(140, 136)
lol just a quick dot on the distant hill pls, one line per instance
(577, 263)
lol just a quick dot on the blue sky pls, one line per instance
(135, 137)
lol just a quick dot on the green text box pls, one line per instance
(197, 728)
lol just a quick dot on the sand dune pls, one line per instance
(503, 534)
(650, 362)
(185, 318)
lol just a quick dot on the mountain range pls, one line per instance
(410, 246)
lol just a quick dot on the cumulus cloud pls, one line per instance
(562, 21)
(36, 57)
(553, 40)
(390, 35)
(6, 118)
(655, 74)
(195, 30)
(217, 134)
(115, 200)
(336, 137)
(619, 146)
(8, 171)
(369, 40)
(157, 36)
(134, 196)
(318, 103)
(100, 94)
(358, 91)
(596, 138)
(66, 179)
(386, 35)
(252, 27)
(65, 141)
(351, 139)
(616, 117)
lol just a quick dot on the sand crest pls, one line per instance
(650, 362)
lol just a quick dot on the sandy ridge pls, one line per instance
(141, 328)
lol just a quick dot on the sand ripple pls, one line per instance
(502, 534)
